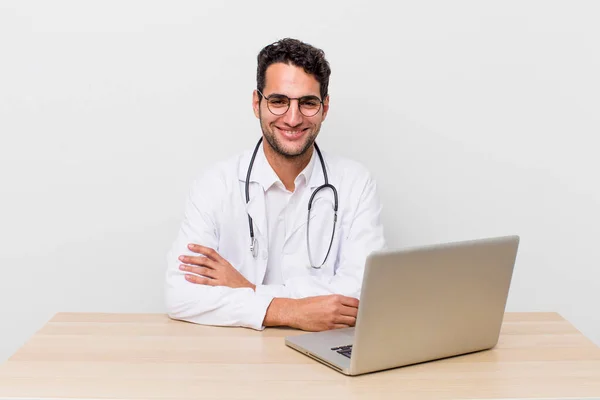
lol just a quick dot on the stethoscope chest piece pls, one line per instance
(254, 247)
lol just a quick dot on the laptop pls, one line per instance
(421, 304)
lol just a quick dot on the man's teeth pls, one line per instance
(291, 132)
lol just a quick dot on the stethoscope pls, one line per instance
(254, 248)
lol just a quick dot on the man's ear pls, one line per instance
(256, 104)
(325, 107)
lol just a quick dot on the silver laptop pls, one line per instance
(421, 304)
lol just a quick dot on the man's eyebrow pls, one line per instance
(276, 94)
(308, 96)
(311, 96)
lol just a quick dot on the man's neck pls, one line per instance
(287, 169)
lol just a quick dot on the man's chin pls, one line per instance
(291, 153)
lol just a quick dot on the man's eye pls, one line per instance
(278, 102)
(310, 103)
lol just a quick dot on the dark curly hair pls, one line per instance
(295, 52)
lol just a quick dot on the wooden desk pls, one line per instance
(148, 356)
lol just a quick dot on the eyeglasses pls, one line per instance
(279, 104)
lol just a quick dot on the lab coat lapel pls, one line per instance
(255, 208)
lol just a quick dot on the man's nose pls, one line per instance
(293, 116)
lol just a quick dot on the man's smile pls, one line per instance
(292, 134)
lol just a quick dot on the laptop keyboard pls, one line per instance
(343, 350)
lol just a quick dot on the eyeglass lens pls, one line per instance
(279, 104)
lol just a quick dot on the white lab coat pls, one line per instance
(216, 216)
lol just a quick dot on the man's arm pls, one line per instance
(364, 236)
(313, 313)
(205, 304)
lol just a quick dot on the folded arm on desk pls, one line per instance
(204, 304)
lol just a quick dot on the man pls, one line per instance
(243, 256)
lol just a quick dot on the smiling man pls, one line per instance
(279, 235)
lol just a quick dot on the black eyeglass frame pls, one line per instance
(321, 103)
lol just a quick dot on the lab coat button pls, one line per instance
(264, 255)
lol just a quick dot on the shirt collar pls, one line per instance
(263, 173)
(307, 172)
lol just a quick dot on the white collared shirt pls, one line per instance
(216, 216)
(282, 205)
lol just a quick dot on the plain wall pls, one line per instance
(477, 119)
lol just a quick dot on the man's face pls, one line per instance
(291, 134)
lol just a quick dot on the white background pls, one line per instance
(477, 119)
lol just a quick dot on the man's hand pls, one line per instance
(213, 269)
(318, 313)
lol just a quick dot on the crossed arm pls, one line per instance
(315, 313)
